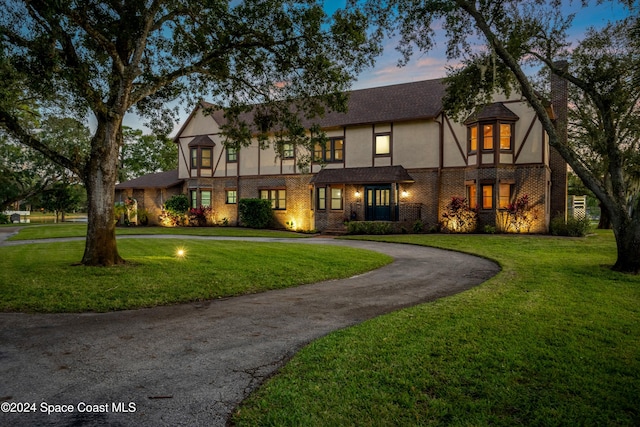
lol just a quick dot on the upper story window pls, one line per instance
(383, 144)
(201, 157)
(487, 136)
(232, 155)
(331, 151)
(506, 136)
(288, 151)
(201, 152)
(473, 138)
(491, 128)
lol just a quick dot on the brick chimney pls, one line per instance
(559, 101)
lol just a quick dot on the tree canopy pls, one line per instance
(107, 58)
(495, 41)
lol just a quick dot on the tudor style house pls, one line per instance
(393, 156)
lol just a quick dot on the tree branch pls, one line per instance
(11, 124)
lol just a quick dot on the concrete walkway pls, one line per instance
(192, 364)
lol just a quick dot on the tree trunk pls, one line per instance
(628, 245)
(605, 221)
(100, 180)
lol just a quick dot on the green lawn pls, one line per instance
(51, 231)
(554, 339)
(42, 277)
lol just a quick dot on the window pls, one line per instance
(473, 138)
(322, 198)
(278, 198)
(505, 136)
(287, 151)
(487, 137)
(201, 157)
(232, 155)
(504, 196)
(331, 151)
(194, 198)
(194, 158)
(205, 198)
(383, 145)
(487, 196)
(472, 196)
(232, 197)
(336, 198)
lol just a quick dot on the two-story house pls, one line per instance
(393, 156)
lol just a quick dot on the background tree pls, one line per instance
(143, 154)
(496, 40)
(62, 197)
(113, 57)
(25, 174)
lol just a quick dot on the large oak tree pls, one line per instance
(112, 57)
(497, 40)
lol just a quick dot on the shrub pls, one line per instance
(459, 217)
(143, 217)
(178, 204)
(369, 227)
(572, 227)
(175, 210)
(489, 229)
(4, 219)
(255, 213)
(198, 217)
(418, 226)
(518, 216)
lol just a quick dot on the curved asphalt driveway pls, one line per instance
(191, 364)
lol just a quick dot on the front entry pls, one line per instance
(378, 202)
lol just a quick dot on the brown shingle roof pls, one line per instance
(378, 175)
(153, 180)
(495, 111)
(395, 103)
(202, 140)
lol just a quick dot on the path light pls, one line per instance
(181, 252)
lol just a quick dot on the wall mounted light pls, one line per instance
(357, 194)
(404, 194)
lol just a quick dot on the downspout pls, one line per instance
(440, 162)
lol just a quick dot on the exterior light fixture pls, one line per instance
(357, 194)
(404, 194)
(181, 253)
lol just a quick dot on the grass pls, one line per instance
(552, 340)
(52, 231)
(41, 277)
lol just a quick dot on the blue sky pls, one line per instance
(432, 65)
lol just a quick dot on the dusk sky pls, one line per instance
(432, 65)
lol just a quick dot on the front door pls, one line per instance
(378, 202)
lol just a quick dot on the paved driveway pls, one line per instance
(191, 364)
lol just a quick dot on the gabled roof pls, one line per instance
(153, 180)
(395, 103)
(365, 175)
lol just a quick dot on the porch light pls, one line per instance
(357, 194)
(404, 194)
